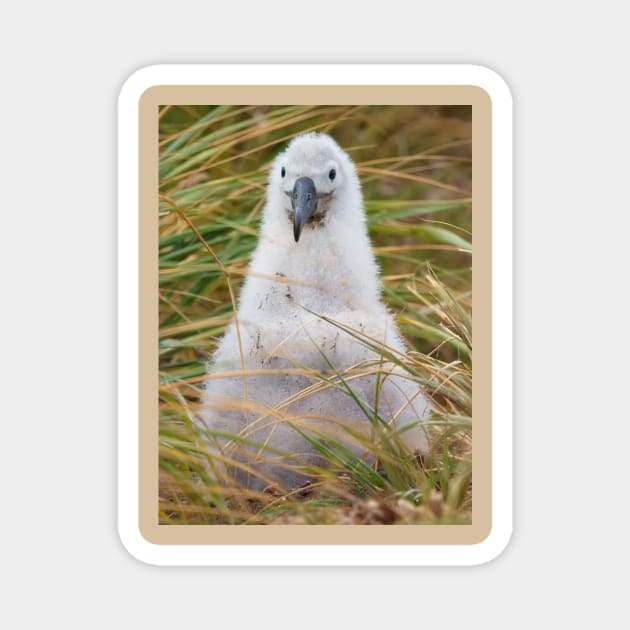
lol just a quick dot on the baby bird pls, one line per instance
(309, 310)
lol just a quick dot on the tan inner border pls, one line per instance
(148, 108)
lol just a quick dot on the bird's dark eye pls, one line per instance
(332, 174)
(283, 172)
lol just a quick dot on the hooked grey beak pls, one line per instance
(304, 202)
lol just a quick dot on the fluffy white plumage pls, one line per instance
(330, 271)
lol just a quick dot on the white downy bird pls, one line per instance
(313, 259)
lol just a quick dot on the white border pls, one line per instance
(128, 178)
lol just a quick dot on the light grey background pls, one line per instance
(63, 64)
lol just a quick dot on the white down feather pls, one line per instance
(330, 272)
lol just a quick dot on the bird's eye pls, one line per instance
(283, 172)
(332, 174)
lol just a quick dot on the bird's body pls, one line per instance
(313, 261)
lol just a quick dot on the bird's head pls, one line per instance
(310, 178)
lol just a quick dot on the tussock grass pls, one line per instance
(415, 167)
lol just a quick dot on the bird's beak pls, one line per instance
(304, 202)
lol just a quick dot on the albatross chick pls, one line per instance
(313, 261)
